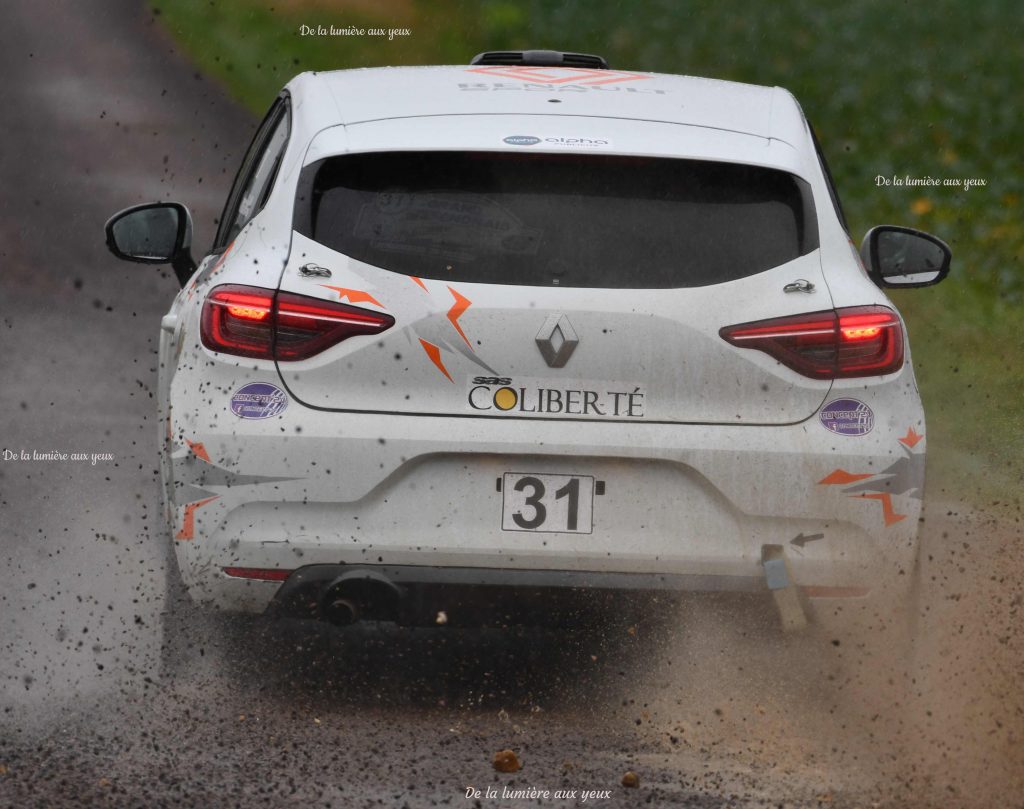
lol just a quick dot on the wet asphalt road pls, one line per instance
(100, 114)
(722, 710)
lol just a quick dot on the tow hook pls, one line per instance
(779, 581)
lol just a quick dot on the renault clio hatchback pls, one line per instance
(534, 325)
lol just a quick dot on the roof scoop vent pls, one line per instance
(541, 59)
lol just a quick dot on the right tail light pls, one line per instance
(843, 343)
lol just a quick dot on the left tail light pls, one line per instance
(854, 341)
(268, 324)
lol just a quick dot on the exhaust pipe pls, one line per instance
(359, 594)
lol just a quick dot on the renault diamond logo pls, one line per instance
(557, 340)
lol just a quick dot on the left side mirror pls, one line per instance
(155, 233)
(903, 257)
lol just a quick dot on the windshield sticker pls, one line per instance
(494, 395)
(521, 140)
(847, 417)
(258, 400)
(557, 142)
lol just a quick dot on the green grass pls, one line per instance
(893, 89)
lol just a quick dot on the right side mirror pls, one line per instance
(903, 257)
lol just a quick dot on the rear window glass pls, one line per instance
(551, 219)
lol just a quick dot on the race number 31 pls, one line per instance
(547, 503)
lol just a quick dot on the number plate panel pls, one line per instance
(561, 504)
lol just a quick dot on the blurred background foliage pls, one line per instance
(911, 88)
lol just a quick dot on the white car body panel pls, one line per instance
(696, 488)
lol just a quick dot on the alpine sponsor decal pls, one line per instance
(258, 400)
(518, 395)
(847, 417)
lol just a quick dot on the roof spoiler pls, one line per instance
(541, 59)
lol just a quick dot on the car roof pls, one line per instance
(342, 97)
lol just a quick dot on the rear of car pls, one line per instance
(537, 332)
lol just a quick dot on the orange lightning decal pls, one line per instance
(888, 513)
(840, 477)
(420, 282)
(458, 309)
(198, 450)
(435, 357)
(911, 438)
(188, 525)
(354, 295)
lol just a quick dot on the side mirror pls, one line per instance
(155, 233)
(904, 257)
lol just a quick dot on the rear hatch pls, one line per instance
(566, 284)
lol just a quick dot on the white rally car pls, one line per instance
(533, 326)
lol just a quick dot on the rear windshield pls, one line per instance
(551, 219)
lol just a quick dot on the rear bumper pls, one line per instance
(685, 506)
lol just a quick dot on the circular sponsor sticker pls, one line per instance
(258, 400)
(847, 417)
(521, 140)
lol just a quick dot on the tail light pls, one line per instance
(266, 324)
(841, 343)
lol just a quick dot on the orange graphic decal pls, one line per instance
(198, 450)
(560, 75)
(435, 357)
(911, 438)
(188, 525)
(354, 295)
(420, 282)
(460, 306)
(840, 477)
(888, 514)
